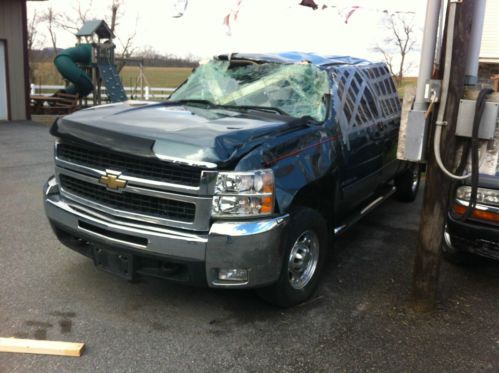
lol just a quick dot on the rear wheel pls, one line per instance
(305, 249)
(407, 184)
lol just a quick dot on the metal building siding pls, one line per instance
(490, 40)
(11, 29)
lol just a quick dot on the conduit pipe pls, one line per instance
(427, 52)
(472, 61)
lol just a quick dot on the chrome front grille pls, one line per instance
(152, 169)
(481, 247)
(135, 203)
(145, 199)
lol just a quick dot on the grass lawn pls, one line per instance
(163, 77)
(407, 82)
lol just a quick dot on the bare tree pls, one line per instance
(73, 21)
(127, 48)
(148, 52)
(400, 42)
(51, 18)
(82, 12)
(116, 12)
(33, 39)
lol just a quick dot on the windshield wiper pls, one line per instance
(196, 101)
(270, 109)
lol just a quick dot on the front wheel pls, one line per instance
(305, 249)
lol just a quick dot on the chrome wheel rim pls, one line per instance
(415, 179)
(303, 259)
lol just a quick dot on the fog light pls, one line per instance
(51, 186)
(233, 274)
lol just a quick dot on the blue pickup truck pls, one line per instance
(242, 179)
(476, 235)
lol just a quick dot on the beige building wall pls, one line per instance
(12, 26)
(490, 40)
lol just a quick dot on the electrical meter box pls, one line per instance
(488, 124)
(413, 128)
(415, 141)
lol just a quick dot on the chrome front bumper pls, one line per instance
(251, 245)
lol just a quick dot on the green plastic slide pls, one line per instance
(66, 64)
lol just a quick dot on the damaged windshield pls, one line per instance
(297, 90)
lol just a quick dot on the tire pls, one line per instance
(454, 255)
(298, 280)
(407, 184)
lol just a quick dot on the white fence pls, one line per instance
(149, 93)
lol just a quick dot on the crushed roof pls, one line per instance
(297, 57)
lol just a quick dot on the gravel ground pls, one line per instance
(358, 321)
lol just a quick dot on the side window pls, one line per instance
(342, 79)
(355, 92)
(385, 91)
(371, 103)
(367, 109)
(354, 85)
(356, 98)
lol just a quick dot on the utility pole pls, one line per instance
(438, 186)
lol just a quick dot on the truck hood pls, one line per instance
(193, 133)
(487, 181)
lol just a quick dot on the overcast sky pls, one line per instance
(262, 25)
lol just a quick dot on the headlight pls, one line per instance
(484, 196)
(244, 194)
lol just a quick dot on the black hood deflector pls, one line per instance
(214, 135)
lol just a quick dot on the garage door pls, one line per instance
(4, 113)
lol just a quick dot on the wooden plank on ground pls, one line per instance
(32, 346)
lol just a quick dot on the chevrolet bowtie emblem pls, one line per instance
(112, 180)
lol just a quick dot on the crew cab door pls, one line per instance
(358, 116)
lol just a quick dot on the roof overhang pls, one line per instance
(95, 26)
(489, 60)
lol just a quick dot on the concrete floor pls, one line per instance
(358, 321)
(44, 119)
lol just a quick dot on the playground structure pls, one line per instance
(90, 65)
(141, 86)
(95, 54)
